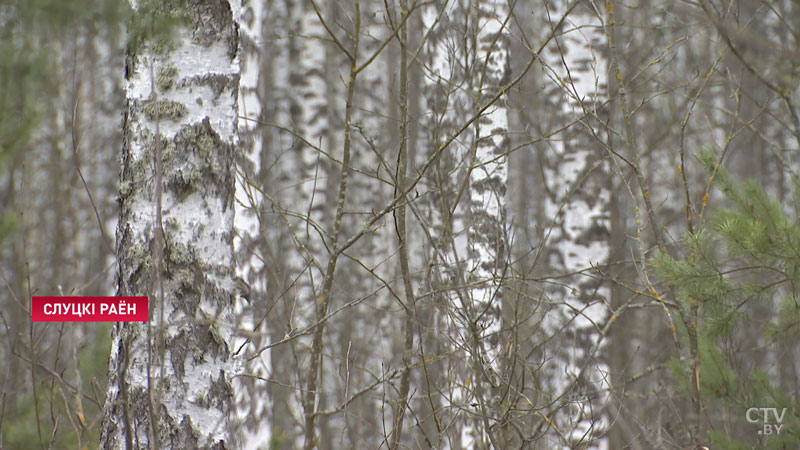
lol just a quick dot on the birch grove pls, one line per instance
(449, 224)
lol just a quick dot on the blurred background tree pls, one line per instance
(60, 67)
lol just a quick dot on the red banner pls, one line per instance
(89, 309)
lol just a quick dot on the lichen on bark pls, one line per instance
(170, 378)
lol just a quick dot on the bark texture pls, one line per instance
(170, 379)
(576, 226)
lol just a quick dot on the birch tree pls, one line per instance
(170, 379)
(252, 392)
(576, 236)
(488, 183)
(299, 163)
(283, 188)
(467, 63)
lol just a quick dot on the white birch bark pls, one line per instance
(577, 179)
(170, 379)
(487, 237)
(308, 191)
(253, 402)
(467, 55)
(488, 181)
(444, 106)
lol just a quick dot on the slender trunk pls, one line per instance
(322, 300)
(488, 179)
(409, 307)
(577, 232)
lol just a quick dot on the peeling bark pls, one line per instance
(170, 379)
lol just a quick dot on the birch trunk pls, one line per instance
(467, 62)
(252, 393)
(577, 177)
(444, 108)
(170, 379)
(488, 184)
